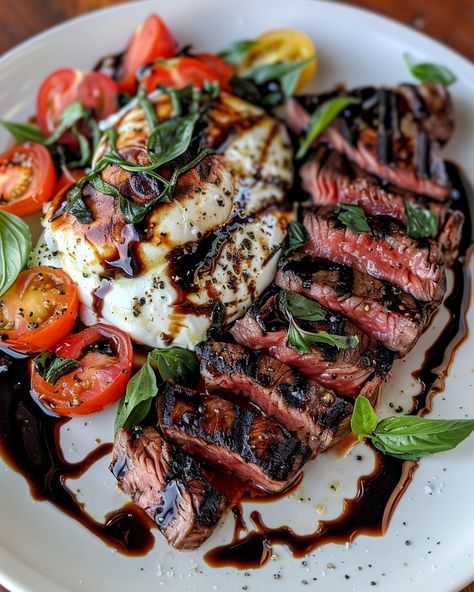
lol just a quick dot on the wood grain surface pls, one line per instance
(450, 21)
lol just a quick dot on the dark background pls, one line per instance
(450, 21)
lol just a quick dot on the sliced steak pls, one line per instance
(169, 485)
(238, 440)
(382, 310)
(395, 134)
(387, 254)
(331, 179)
(347, 371)
(303, 406)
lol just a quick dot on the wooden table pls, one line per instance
(452, 22)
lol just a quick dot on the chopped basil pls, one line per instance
(15, 246)
(302, 341)
(52, 368)
(148, 109)
(409, 437)
(298, 306)
(24, 132)
(176, 363)
(286, 73)
(353, 217)
(427, 72)
(322, 118)
(296, 237)
(68, 118)
(421, 222)
(171, 138)
(135, 405)
(236, 52)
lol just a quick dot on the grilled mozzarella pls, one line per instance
(202, 257)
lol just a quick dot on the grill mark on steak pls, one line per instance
(303, 406)
(344, 371)
(331, 178)
(169, 485)
(388, 254)
(383, 311)
(388, 133)
(241, 441)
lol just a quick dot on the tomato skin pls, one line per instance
(28, 176)
(222, 69)
(177, 73)
(150, 41)
(94, 90)
(68, 177)
(98, 382)
(53, 321)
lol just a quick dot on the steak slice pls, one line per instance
(331, 179)
(395, 134)
(169, 485)
(303, 406)
(383, 311)
(238, 440)
(387, 254)
(352, 371)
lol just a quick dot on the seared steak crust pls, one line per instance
(302, 405)
(239, 440)
(169, 485)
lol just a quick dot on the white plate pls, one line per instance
(42, 550)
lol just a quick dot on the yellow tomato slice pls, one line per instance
(282, 45)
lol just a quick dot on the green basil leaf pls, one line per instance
(302, 341)
(59, 367)
(176, 363)
(235, 53)
(136, 403)
(412, 437)
(298, 306)
(84, 148)
(23, 132)
(148, 108)
(427, 72)
(69, 117)
(421, 222)
(296, 237)
(353, 217)
(245, 89)
(15, 246)
(171, 138)
(322, 118)
(76, 205)
(364, 419)
(287, 73)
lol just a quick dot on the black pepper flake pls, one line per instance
(347, 577)
(407, 542)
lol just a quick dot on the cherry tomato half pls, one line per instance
(69, 177)
(150, 41)
(104, 355)
(94, 90)
(222, 69)
(27, 178)
(38, 310)
(177, 73)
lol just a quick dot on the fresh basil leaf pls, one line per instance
(176, 363)
(68, 118)
(148, 108)
(421, 222)
(59, 367)
(302, 341)
(245, 89)
(171, 138)
(296, 237)
(298, 306)
(84, 148)
(235, 53)
(15, 246)
(100, 185)
(364, 419)
(427, 72)
(322, 118)
(353, 217)
(136, 403)
(24, 132)
(287, 73)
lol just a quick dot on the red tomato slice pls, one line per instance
(38, 310)
(222, 69)
(150, 41)
(105, 357)
(68, 177)
(27, 178)
(94, 90)
(177, 73)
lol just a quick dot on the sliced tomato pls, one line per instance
(94, 90)
(177, 73)
(38, 310)
(150, 41)
(27, 178)
(222, 69)
(104, 355)
(69, 177)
